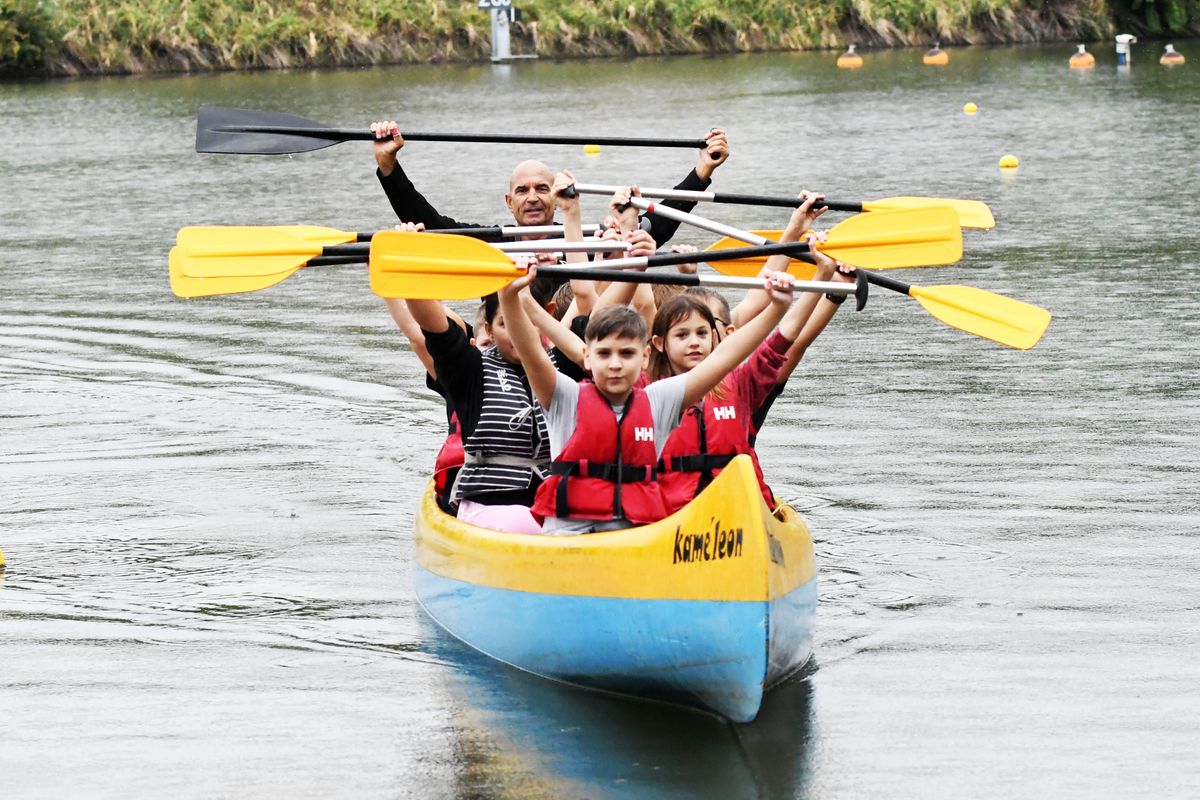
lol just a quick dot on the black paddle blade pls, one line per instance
(246, 132)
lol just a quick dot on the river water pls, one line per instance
(206, 505)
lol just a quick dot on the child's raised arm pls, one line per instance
(559, 334)
(805, 321)
(539, 369)
(416, 337)
(741, 343)
(801, 220)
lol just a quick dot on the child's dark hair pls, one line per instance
(562, 300)
(620, 321)
(708, 296)
(542, 289)
(671, 313)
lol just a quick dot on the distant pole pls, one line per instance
(1124, 51)
(502, 14)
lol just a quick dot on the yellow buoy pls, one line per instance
(1171, 57)
(850, 59)
(1082, 59)
(936, 56)
(591, 149)
(970, 108)
(1009, 161)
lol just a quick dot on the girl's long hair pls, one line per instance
(671, 313)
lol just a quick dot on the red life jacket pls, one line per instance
(709, 435)
(449, 459)
(607, 468)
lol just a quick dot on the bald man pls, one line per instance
(528, 197)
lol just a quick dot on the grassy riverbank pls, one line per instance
(74, 37)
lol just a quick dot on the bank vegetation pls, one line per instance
(77, 37)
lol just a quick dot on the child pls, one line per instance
(606, 434)
(503, 431)
(686, 330)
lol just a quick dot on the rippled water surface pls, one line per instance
(206, 506)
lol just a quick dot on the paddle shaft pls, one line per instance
(494, 231)
(360, 252)
(679, 279)
(769, 248)
(358, 134)
(749, 238)
(717, 197)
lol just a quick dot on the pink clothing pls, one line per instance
(510, 519)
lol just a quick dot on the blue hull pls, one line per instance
(716, 655)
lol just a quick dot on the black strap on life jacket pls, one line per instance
(702, 462)
(695, 463)
(610, 471)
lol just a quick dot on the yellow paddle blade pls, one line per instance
(218, 241)
(437, 266)
(920, 237)
(194, 266)
(227, 252)
(750, 267)
(326, 237)
(971, 213)
(992, 316)
(184, 285)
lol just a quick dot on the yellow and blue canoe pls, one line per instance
(708, 608)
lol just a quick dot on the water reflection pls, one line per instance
(518, 735)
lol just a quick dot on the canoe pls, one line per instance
(708, 608)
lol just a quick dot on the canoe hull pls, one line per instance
(735, 621)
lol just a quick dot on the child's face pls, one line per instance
(497, 332)
(687, 343)
(615, 363)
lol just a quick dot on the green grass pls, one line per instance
(72, 37)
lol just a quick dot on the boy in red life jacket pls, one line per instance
(606, 434)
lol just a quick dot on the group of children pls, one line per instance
(642, 397)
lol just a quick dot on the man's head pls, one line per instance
(528, 196)
(615, 350)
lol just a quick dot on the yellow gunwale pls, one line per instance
(775, 557)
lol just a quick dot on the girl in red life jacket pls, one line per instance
(717, 428)
(721, 426)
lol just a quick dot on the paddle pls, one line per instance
(195, 237)
(432, 267)
(446, 267)
(880, 240)
(248, 132)
(971, 213)
(991, 316)
(215, 252)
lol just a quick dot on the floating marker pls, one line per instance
(1082, 59)
(1171, 57)
(849, 59)
(970, 108)
(591, 149)
(936, 56)
(1009, 161)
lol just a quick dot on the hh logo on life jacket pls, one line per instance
(643, 434)
(724, 412)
